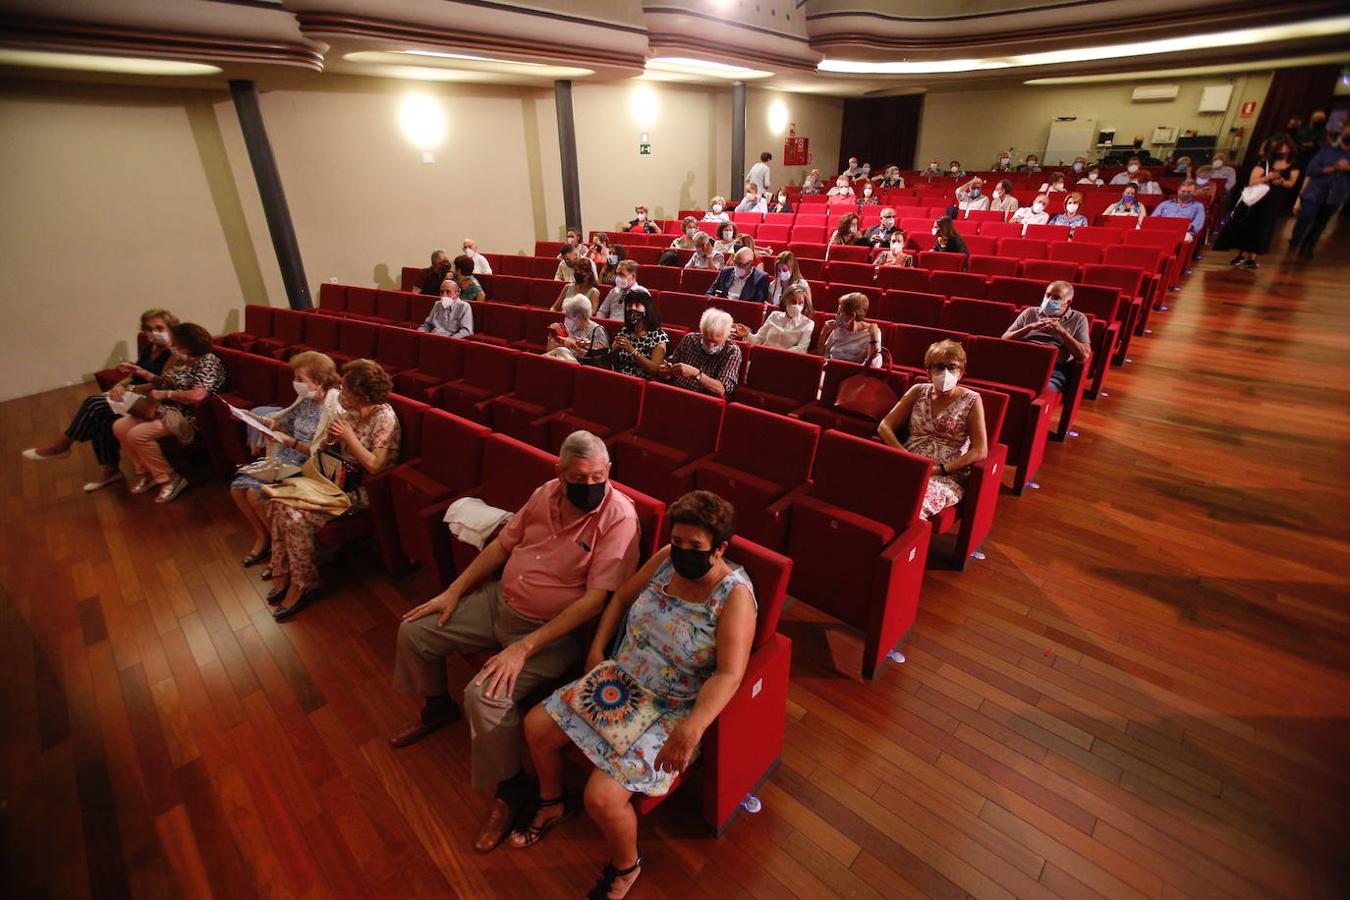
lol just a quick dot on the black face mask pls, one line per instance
(691, 564)
(633, 317)
(585, 497)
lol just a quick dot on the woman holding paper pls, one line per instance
(94, 421)
(304, 426)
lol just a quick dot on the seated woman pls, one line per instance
(1071, 216)
(689, 231)
(641, 223)
(892, 179)
(848, 233)
(577, 334)
(610, 271)
(789, 274)
(705, 256)
(641, 344)
(811, 183)
(366, 434)
(469, 287)
(780, 203)
(1182, 167)
(305, 426)
(948, 239)
(849, 337)
(788, 328)
(451, 316)
(1128, 205)
(944, 423)
(193, 374)
(583, 285)
(869, 197)
(1055, 183)
(726, 239)
(717, 207)
(94, 420)
(600, 251)
(896, 255)
(688, 621)
(746, 240)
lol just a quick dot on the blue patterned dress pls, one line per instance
(670, 646)
(301, 423)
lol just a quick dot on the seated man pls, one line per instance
(567, 264)
(1003, 200)
(625, 279)
(1034, 214)
(451, 316)
(1130, 174)
(1054, 323)
(879, 235)
(752, 201)
(571, 545)
(970, 196)
(1184, 206)
(706, 255)
(434, 274)
(742, 280)
(481, 266)
(708, 361)
(853, 170)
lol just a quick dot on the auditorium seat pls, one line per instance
(941, 261)
(604, 403)
(257, 325)
(513, 289)
(398, 348)
(1076, 252)
(693, 281)
(680, 308)
(356, 340)
(779, 380)
(909, 343)
(334, 296)
(252, 381)
(1022, 248)
(488, 372)
(823, 413)
(439, 359)
(812, 268)
(902, 279)
(288, 330)
(1109, 313)
(391, 307)
(410, 277)
(760, 457)
(982, 244)
(543, 385)
(849, 253)
(1049, 233)
(1017, 291)
(909, 307)
(1021, 370)
(1048, 270)
(419, 309)
(497, 323)
(1000, 230)
(538, 323)
(660, 278)
(361, 301)
(958, 284)
(974, 316)
(993, 265)
(749, 313)
(511, 265)
(540, 293)
(321, 334)
(1097, 234)
(859, 555)
(676, 427)
(774, 233)
(1129, 281)
(858, 273)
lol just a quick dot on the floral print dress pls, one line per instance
(669, 646)
(295, 532)
(941, 438)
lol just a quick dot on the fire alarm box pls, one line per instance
(796, 151)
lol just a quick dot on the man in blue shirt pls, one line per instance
(1328, 186)
(1184, 206)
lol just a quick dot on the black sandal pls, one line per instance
(532, 834)
(611, 875)
(254, 558)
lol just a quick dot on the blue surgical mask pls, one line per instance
(974, 193)
(1127, 199)
(1051, 306)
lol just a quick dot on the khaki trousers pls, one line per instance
(482, 621)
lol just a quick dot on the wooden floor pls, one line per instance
(1142, 692)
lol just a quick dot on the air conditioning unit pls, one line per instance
(1155, 92)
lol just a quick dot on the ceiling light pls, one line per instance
(441, 55)
(121, 65)
(1190, 71)
(1237, 38)
(703, 67)
(422, 121)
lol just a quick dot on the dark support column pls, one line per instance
(567, 149)
(273, 196)
(737, 139)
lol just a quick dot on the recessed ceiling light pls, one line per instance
(1237, 38)
(685, 64)
(122, 65)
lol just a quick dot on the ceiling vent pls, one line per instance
(1155, 92)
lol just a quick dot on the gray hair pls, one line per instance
(436, 253)
(714, 321)
(576, 304)
(1065, 289)
(584, 445)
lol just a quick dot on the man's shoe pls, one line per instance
(415, 731)
(496, 826)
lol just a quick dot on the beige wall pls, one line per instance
(972, 126)
(149, 195)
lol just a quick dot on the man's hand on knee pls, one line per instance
(443, 605)
(498, 675)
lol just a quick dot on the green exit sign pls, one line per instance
(644, 149)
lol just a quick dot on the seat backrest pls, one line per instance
(909, 343)
(685, 420)
(452, 450)
(940, 260)
(357, 338)
(1162, 239)
(544, 381)
(848, 253)
(321, 332)
(661, 278)
(769, 572)
(409, 414)
(774, 233)
(512, 470)
(334, 296)
(489, 367)
(499, 320)
(694, 281)
(1049, 233)
(419, 307)
(392, 305)
(870, 479)
(1022, 248)
(440, 356)
(1049, 270)
(288, 325)
(1097, 234)
(910, 307)
(1018, 291)
(547, 248)
(982, 244)
(993, 265)
(398, 347)
(779, 448)
(651, 516)
(1017, 363)
(1098, 300)
(361, 300)
(902, 279)
(512, 265)
(954, 284)
(1147, 258)
(1126, 278)
(258, 320)
(612, 399)
(1000, 230)
(995, 403)
(856, 273)
(783, 373)
(743, 312)
(679, 308)
(539, 293)
(973, 316)
(1075, 251)
(514, 289)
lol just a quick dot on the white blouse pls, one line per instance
(781, 332)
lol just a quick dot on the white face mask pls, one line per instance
(621, 282)
(446, 301)
(717, 207)
(944, 380)
(728, 235)
(302, 390)
(794, 311)
(935, 231)
(742, 271)
(1202, 180)
(1132, 167)
(691, 231)
(642, 217)
(711, 348)
(998, 193)
(1004, 161)
(896, 247)
(955, 169)
(1038, 206)
(468, 251)
(158, 337)
(785, 276)
(1071, 208)
(782, 198)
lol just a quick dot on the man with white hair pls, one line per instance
(1053, 323)
(434, 274)
(742, 280)
(709, 362)
(753, 201)
(573, 543)
(481, 266)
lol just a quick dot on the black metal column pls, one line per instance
(737, 139)
(273, 196)
(567, 150)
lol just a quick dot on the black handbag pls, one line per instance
(597, 357)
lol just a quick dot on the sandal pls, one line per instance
(254, 558)
(604, 887)
(532, 834)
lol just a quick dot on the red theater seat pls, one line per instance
(778, 380)
(288, 330)
(993, 265)
(940, 260)
(1048, 270)
(604, 403)
(488, 372)
(356, 340)
(695, 281)
(902, 279)
(257, 325)
(1021, 370)
(909, 307)
(439, 359)
(909, 343)
(983, 317)
(334, 296)
(543, 385)
(823, 413)
(1076, 252)
(958, 284)
(857, 273)
(676, 428)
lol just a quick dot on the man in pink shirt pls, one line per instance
(572, 544)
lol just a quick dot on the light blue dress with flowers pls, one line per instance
(670, 647)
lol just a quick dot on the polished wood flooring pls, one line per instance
(1142, 692)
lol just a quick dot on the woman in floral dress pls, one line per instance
(945, 423)
(689, 620)
(366, 434)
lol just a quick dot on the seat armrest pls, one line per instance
(894, 599)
